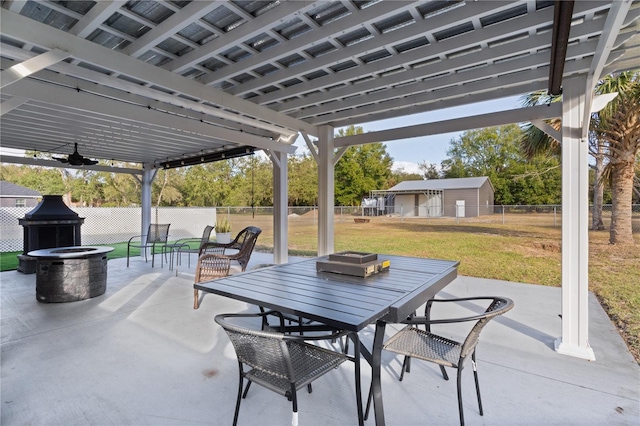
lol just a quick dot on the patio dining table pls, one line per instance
(343, 301)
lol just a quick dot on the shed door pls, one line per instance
(460, 208)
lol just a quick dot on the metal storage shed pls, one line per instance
(459, 197)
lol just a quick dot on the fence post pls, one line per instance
(554, 216)
(503, 214)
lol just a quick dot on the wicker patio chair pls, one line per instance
(282, 363)
(157, 235)
(239, 251)
(413, 342)
(210, 267)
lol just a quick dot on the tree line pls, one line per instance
(247, 181)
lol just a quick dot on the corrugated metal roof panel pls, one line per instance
(440, 184)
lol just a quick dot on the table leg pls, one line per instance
(356, 355)
(376, 383)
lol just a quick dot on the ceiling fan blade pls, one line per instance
(75, 159)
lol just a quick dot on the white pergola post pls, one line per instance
(325, 190)
(148, 175)
(280, 207)
(575, 224)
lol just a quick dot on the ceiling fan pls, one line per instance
(76, 159)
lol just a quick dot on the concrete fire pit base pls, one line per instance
(69, 274)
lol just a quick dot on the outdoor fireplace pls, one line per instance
(50, 224)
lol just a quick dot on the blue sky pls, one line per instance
(432, 149)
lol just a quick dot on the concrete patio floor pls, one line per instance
(141, 355)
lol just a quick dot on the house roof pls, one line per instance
(168, 81)
(440, 184)
(11, 190)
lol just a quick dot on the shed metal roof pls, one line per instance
(440, 184)
(154, 81)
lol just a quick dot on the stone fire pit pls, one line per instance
(68, 274)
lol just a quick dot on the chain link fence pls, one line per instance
(109, 225)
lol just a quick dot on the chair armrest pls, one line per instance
(135, 236)
(188, 240)
(212, 247)
(331, 335)
(214, 256)
(182, 242)
(221, 319)
(426, 319)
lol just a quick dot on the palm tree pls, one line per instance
(619, 127)
(536, 142)
(614, 139)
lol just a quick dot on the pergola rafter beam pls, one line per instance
(83, 101)
(455, 125)
(405, 95)
(416, 75)
(386, 41)
(192, 12)
(222, 42)
(131, 93)
(57, 164)
(383, 40)
(377, 11)
(25, 69)
(95, 17)
(23, 28)
(11, 104)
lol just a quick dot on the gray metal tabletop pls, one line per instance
(342, 301)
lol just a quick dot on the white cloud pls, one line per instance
(407, 166)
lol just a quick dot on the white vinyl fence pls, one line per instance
(109, 225)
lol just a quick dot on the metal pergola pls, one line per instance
(162, 83)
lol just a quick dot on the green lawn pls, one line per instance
(9, 261)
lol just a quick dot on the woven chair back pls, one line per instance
(246, 242)
(264, 351)
(498, 306)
